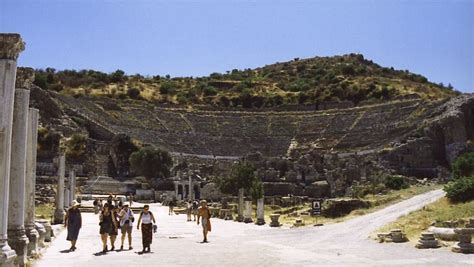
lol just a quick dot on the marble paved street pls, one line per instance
(177, 243)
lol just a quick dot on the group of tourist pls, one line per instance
(192, 209)
(115, 215)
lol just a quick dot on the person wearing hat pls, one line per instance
(73, 223)
(205, 214)
(126, 224)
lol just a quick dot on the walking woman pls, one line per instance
(107, 225)
(146, 218)
(115, 210)
(73, 222)
(205, 214)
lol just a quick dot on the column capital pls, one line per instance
(11, 45)
(24, 77)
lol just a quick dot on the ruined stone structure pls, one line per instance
(315, 153)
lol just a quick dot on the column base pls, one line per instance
(33, 237)
(59, 216)
(239, 218)
(18, 240)
(466, 248)
(7, 255)
(42, 235)
(248, 220)
(260, 221)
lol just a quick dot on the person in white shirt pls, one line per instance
(126, 224)
(146, 218)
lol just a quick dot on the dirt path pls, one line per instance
(177, 243)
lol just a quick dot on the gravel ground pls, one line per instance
(177, 243)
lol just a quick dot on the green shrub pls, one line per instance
(76, 146)
(396, 182)
(461, 189)
(168, 88)
(133, 93)
(463, 165)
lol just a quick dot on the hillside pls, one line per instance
(301, 81)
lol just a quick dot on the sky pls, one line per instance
(196, 38)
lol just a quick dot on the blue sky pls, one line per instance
(196, 38)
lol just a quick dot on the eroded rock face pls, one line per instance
(445, 133)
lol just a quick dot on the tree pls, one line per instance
(151, 162)
(117, 76)
(242, 176)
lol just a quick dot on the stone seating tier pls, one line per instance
(234, 133)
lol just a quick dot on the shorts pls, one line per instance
(126, 228)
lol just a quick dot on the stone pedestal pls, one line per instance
(397, 236)
(16, 208)
(59, 212)
(30, 180)
(41, 235)
(260, 212)
(248, 212)
(427, 240)
(465, 241)
(275, 217)
(240, 215)
(10, 47)
(298, 222)
(49, 231)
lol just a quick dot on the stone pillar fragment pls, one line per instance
(240, 215)
(59, 212)
(260, 211)
(10, 47)
(16, 208)
(30, 181)
(248, 212)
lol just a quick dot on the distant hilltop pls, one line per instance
(304, 82)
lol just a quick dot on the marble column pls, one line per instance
(10, 47)
(67, 197)
(240, 215)
(72, 186)
(59, 212)
(260, 211)
(16, 207)
(30, 182)
(190, 185)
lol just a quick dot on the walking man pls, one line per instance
(205, 213)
